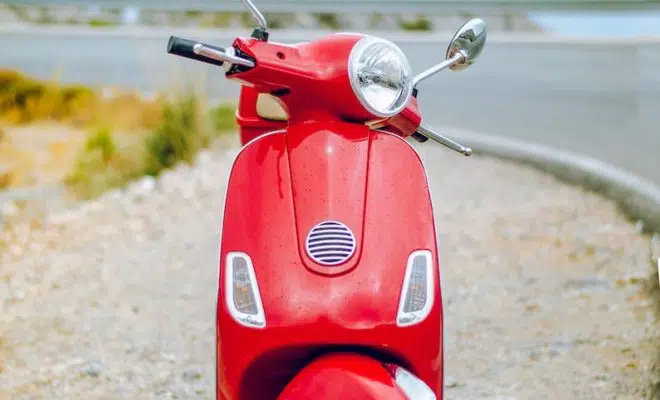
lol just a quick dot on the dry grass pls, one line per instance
(95, 141)
(39, 153)
(24, 100)
(109, 161)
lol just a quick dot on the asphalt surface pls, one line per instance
(598, 99)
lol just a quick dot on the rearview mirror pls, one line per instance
(463, 50)
(468, 41)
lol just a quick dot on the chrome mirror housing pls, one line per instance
(463, 50)
(468, 41)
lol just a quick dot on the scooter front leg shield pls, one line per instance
(296, 200)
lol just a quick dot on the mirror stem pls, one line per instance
(456, 58)
(261, 20)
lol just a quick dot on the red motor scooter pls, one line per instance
(329, 284)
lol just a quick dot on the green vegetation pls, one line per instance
(215, 20)
(102, 166)
(247, 20)
(130, 137)
(44, 16)
(328, 20)
(182, 132)
(5, 174)
(184, 129)
(375, 19)
(193, 13)
(100, 23)
(275, 20)
(419, 24)
(223, 118)
(71, 21)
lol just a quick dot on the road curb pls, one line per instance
(638, 198)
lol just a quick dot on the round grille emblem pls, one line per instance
(330, 243)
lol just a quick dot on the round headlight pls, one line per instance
(380, 75)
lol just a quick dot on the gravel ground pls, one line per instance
(542, 284)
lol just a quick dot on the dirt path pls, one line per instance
(542, 286)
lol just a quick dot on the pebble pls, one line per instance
(141, 188)
(9, 209)
(192, 374)
(451, 382)
(93, 369)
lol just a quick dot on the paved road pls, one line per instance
(599, 99)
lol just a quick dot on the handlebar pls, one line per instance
(218, 56)
(185, 48)
(208, 54)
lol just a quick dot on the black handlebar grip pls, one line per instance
(419, 137)
(184, 48)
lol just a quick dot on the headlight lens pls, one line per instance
(380, 75)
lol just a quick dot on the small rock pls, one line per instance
(532, 307)
(142, 187)
(107, 93)
(192, 374)
(93, 369)
(534, 356)
(9, 210)
(15, 250)
(62, 218)
(589, 284)
(451, 382)
(111, 196)
(18, 295)
(92, 207)
(203, 158)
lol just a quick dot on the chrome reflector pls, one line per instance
(417, 291)
(330, 243)
(242, 291)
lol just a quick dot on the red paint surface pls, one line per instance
(343, 376)
(322, 167)
(314, 76)
(269, 199)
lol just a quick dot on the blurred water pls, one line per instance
(624, 24)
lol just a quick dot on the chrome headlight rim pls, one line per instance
(407, 91)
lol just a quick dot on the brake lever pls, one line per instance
(445, 141)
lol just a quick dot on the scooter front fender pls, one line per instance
(343, 376)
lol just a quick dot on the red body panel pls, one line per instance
(280, 186)
(311, 79)
(313, 75)
(343, 376)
